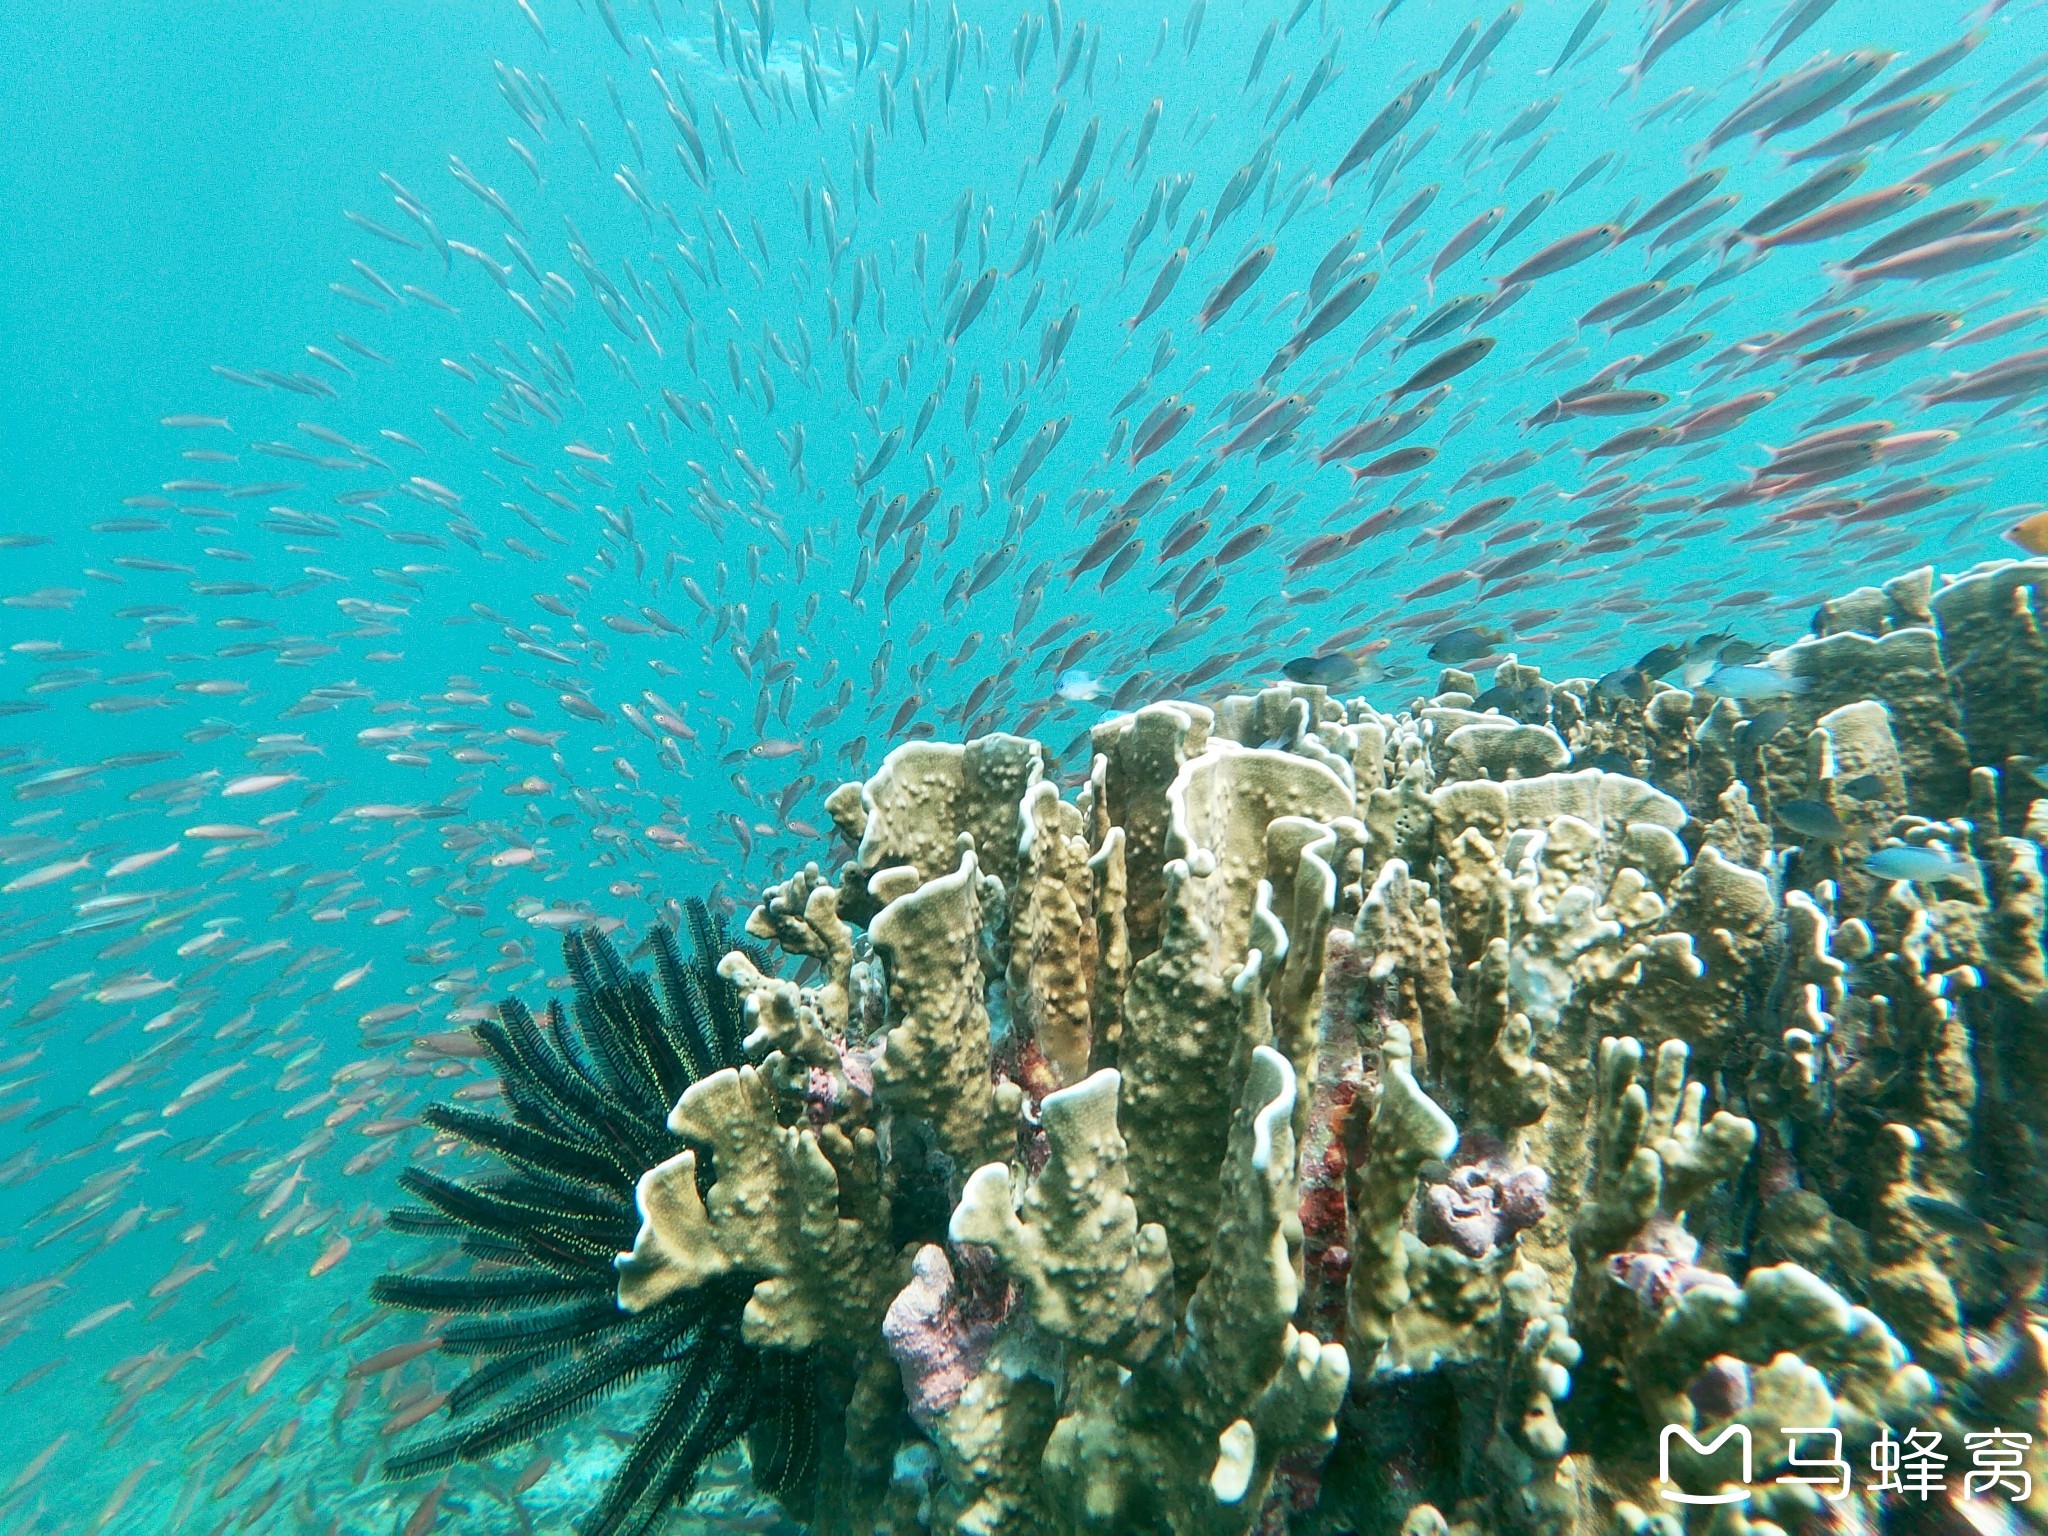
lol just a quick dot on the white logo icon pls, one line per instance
(1666, 1489)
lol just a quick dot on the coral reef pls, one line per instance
(1331, 1120)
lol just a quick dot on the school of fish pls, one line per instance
(771, 385)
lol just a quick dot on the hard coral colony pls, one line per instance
(1329, 1120)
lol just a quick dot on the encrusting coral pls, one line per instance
(1330, 1120)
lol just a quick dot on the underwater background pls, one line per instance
(475, 470)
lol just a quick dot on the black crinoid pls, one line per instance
(589, 1096)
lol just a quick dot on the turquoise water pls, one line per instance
(289, 651)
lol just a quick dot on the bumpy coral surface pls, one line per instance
(1324, 1119)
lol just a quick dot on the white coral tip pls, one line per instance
(1236, 1449)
